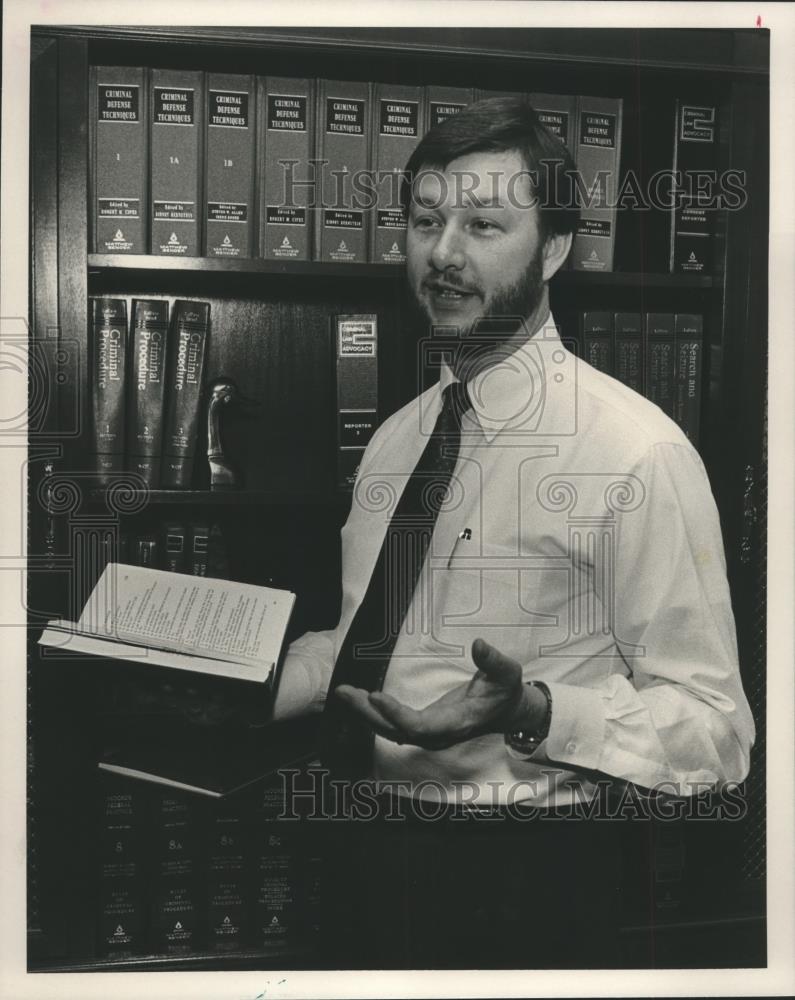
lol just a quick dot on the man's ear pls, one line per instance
(556, 250)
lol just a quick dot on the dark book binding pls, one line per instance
(227, 879)
(629, 349)
(442, 103)
(190, 331)
(175, 917)
(286, 140)
(689, 333)
(397, 128)
(344, 128)
(356, 346)
(119, 138)
(199, 535)
(693, 216)
(176, 122)
(275, 873)
(558, 114)
(229, 166)
(175, 546)
(109, 349)
(122, 915)
(147, 388)
(660, 365)
(598, 155)
(597, 340)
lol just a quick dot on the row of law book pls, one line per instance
(146, 384)
(658, 354)
(193, 546)
(179, 876)
(188, 163)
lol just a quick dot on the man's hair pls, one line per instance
(502, 124)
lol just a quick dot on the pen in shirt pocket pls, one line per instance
(463, 536)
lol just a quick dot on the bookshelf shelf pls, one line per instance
(103, 264)
(234, 498)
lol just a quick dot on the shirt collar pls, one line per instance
(508, 394)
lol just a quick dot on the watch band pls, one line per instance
(527, 741)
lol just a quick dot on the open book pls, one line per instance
(195, 623)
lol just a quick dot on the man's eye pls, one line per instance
(424, 222)
(484, 225)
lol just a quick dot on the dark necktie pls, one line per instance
(346, 740)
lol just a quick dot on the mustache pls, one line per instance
(451, 282)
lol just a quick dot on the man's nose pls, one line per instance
(448, 251)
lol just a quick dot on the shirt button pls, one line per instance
(571, 746)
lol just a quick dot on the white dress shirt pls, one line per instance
(595, 560)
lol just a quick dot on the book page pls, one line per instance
(202, 616)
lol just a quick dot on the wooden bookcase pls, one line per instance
(271, 331)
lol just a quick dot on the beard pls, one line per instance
(498, 332)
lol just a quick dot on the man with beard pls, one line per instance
(541, 603)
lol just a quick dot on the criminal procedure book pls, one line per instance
(177, 134)
(689, 347)
(119, 159)
(109, 351)
(147, 388)
(398, 126)
(693, 216)
(660, 360)
(443, 102)
(628, 328)
(344, 137)
(286, 139)
(229, 166)
(356, 352)
(209, 626)
(190, 327)
(598, 159)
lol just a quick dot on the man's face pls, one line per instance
(474, 246)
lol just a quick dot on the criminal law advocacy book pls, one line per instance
(109, 339)
(217, 627)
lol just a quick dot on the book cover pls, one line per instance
(175, 917)
(398, 126)
(119, 165)
(122, 916)
(344, 133)
(275, 873)
(689, 340)
(109, 349)
(199, 539)
(443, 102)
(189, 335)
(229, 166)
(226, 882)
(629, 350)
(147, 388)
(146, 551)
(693, 219)
(175, 546)
(598, 157)
(660, 363)
(177, 127)
(597, 340)
(286, 141)
(558, 113)
(356, 349)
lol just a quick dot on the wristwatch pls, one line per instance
(525, 742)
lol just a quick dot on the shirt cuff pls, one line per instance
(576, 731)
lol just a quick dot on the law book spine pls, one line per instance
(442, 103)
(175, 546)
(147, 388)
(146, 551)
(189, 336)
(286, 139)
(119, 164)
(660, 363)
(218, 555)
(597, 340)
(199, 547)
(109, 349)
(344, 116)
(175, 919)
(177, 133)
(558, 114)
(397, 127)
(629, 350)
(689, 338)
(227, 881)
(122, 911)
(598, 161)
(229, 146)
(356, 343)
(693, 217)
(275, 875)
